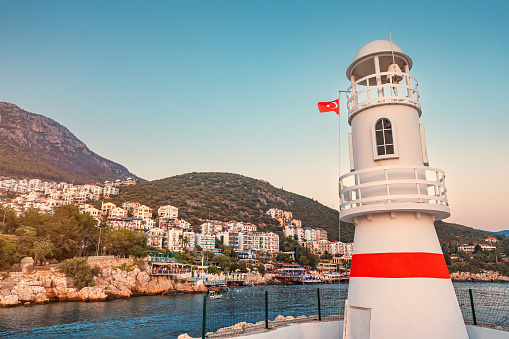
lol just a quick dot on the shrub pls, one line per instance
(124, 267)
(80, 271)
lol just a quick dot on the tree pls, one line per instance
(303, 260)
(326, 256)
(41, 249)
(7, 253)
(284, 257)
(8, 220)
(213, 270)
(463, 255)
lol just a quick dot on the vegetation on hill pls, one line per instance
(226, 196)
(455, 234)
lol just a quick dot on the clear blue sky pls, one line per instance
(170, 87)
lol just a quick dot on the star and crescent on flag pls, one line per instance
(329, 106)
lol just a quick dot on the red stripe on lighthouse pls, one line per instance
(399, 265)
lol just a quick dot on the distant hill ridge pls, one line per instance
(227, 196)
(504, 232)
(32, 145)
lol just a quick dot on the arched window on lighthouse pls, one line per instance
(384, 140)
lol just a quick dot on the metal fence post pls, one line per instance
(319, 306)
(204, 316)
(266, 309)
(472, 305)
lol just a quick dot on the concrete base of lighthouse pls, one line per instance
(400, 302)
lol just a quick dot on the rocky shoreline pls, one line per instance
(47, 284)
(488, 276)
(44, 285)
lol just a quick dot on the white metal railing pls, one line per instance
(361, 95)
(393, 184)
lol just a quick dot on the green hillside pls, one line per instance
(226, 196)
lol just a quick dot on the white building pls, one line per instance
(110, 190)
(189, 239)
(310, 234)
(276, 213)
(174, 239)
(341, 248)
(213, 227)
(117, 212)
(206, 241)
(168, 211)
(155, 237)
(96, 213)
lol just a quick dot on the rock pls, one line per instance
(27, 265)
(92, 294)
(279, 318)
(289, 318)
(27, 304)
(240, 325)
(9, 300)
(143, 265)
(143, 278)
(184, 336)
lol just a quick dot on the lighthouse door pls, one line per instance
(357, 322)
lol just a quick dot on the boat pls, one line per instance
(312, 279)
(214, 295)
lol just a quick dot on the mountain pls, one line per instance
(505, 232)
(226, 196)
(34, 146)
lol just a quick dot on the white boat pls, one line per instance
(214, 295)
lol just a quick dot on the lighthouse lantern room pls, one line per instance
(399, 283)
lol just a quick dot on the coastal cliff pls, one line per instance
(46, 285)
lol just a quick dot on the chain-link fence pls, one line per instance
(485, 308)
(251, 309)
(244, 310)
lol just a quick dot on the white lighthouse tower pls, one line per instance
(399, 282)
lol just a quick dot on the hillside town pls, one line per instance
(163, 227)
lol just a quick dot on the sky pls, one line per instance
(172, 87)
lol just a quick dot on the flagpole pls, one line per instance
(339, 195)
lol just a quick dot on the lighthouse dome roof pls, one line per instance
(383, 48)
(376, 46)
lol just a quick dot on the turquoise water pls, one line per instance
(171, 315)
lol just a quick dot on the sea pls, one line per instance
(171, 315)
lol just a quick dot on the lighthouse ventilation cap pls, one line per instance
(377, 47)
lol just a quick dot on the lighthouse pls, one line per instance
(399, 283)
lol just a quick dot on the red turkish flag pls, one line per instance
(329, 106)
